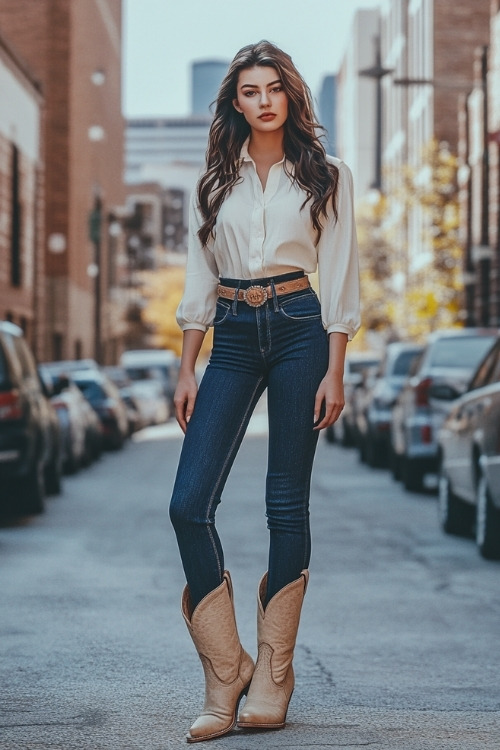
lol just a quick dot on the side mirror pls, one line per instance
(62, 382)
(443, 392)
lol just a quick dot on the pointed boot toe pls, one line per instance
(227, 667)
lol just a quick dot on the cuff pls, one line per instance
(340, 328)
(194, 327)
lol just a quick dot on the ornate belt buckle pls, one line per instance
(255, 296)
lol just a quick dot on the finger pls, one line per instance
(189, 407)
(331, 415)
(180, 414)
(317, 406)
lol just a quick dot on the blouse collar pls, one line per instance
(245, 157)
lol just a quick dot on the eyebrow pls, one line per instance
(254, 86)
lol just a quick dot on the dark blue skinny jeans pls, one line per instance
(281, 346)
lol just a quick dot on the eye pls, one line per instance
(249, 93)
(277, 89)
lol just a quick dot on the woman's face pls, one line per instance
(261, 99)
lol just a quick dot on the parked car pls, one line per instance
(344, 428)
(469, 460)
(442, 374)
(105, 399)
(71, 420)
(71, 365)
(376, 399)
(118, 375)
(161, 365)
(80, 426)
(30, 449)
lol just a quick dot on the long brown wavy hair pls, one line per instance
(229, 130)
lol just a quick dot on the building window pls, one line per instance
(15, 234)
(78, 349)
(57, 346)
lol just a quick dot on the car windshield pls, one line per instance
(361, 365)
(460, 351)
(91, 390)
(403, 362)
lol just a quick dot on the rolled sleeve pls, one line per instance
(197, 307)
(338, 265)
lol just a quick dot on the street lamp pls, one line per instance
(96, 134)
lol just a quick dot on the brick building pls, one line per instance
(74, 47)
(428, 45)
(479, 150)
(21, 196)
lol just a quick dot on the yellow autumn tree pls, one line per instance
(163, 290)
(435, 294)
(396, 298)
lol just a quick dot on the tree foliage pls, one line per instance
(410, 289)
(163, 289)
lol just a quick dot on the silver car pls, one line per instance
(441, 375)
(344, 429)
(374, 415)
(469, 458)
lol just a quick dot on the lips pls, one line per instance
(267, 116)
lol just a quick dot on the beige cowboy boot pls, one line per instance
(228, 668)
(273, 680)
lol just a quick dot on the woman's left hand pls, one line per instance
(330, 398)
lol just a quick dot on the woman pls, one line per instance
(270, 208)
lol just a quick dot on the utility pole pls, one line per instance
(376, 72)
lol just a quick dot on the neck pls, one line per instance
(266, 145)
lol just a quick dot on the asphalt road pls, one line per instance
(399, 642)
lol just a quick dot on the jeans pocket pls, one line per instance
(301, 306)
(221, 311)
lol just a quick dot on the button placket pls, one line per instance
(257, 234)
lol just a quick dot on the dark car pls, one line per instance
(30, 448)
(469, 458)
(442, 374)
(105, 399)
(380, 390)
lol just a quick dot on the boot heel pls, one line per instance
(227, 667)
(273, 681)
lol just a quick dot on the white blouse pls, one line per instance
(261, 233)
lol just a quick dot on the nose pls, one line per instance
(264, 99)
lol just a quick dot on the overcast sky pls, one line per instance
(163, 37)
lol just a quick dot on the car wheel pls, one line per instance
(53, 476)
(487, 522)
(347, 440)
(394, 464)
(362, 449)
(118, 440)
(374, 454)
(411, 474)
(31, 489)
(330, 434)
(455, 516)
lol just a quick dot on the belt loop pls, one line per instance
(234, 307)
(275, 297)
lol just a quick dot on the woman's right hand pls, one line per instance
(184, 398)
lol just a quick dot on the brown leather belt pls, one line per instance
(257, 295)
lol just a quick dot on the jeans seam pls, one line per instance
(221, 474)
